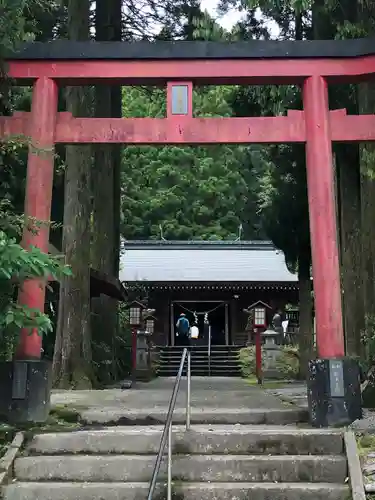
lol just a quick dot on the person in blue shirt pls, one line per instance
(183, 330)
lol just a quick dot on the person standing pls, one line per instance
(277, 325)
(183, 330)
(194, 334)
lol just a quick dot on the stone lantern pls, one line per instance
(143, 355)
(258, 317)
(271, 351)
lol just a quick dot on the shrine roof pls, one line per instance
(203, 262)
(163, 50)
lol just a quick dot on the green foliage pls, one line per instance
(368, 339)
(18, 265)
(17, 23)
(201, 192)
(287, 364)
(247, 362)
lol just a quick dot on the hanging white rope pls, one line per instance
(203, 313)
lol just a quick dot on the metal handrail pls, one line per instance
(167, 431)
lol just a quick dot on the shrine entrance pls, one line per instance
(210, 317)
(313, 65)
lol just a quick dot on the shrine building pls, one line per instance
(207, 280)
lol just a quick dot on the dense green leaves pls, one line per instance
(17, 24)
(16, 266)
(191, 193)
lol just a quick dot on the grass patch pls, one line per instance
(267, 384)
(287, 364)
(365, 444)
(61, 419)
(7, 433)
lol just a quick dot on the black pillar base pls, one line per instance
(334, 392)
(25, 389)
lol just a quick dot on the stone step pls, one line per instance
(192, 491)
(197, 348)
(200, 373)
(204, 368)
(200, 359)
(219, 468)
(202, 356)
(203, 352)
(199, 440)
(202, 362)
(207, 415)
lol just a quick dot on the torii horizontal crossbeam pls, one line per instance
(187, 130)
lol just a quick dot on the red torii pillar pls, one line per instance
(323, 227)
(38, 199)
(333, 383)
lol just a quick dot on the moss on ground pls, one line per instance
(365, 443)
(61, 419)
(7, 433)
(267, 384)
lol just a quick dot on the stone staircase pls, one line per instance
(210, 462)
(224, 361)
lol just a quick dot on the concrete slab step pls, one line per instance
(200, 348)
(202, 364)
(199, 440)
(194, 491)
(200, 373)
(219, 468)
(149, 416)
(202, 354)
(203, 369)
(200, 360)
(199, 365)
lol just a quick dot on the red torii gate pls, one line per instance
(180, 65)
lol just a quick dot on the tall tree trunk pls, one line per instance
(106, 199)
(298, 31)
(305, 335)
(367, 105)
(350, 247)
(72, 357)
(366, 101)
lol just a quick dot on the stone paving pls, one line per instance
(294, 392)
(222, 398)
(205, 392)
(216, 394)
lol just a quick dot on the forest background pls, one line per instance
(104, 192)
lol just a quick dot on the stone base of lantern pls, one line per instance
(25, 388)
(143, 357)
(270, 355)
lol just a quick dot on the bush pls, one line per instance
(287, 364)
(16, 266)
